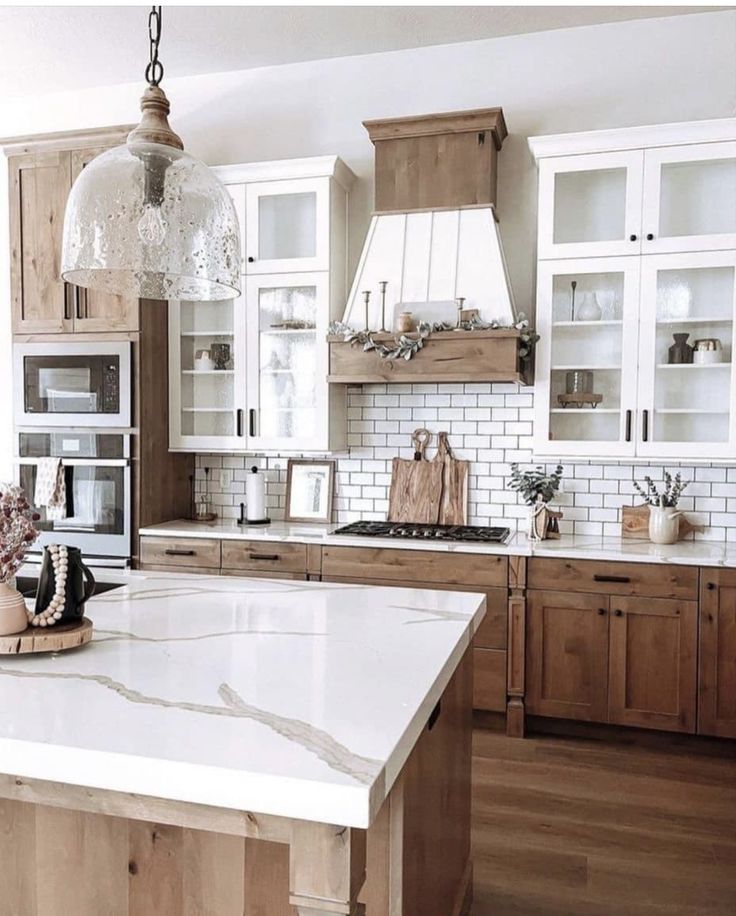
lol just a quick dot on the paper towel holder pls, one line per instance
(257, 521)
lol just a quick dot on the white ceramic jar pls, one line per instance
(664, 524)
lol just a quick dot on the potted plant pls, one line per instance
(664, 516)
(17, 533)
(537, 489)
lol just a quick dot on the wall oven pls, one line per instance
(96, 467)
(72, 384)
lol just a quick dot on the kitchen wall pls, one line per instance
(623, 74)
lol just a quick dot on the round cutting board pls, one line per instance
(47, 639)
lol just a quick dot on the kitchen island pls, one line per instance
(243, 746)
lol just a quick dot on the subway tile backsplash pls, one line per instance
(490, 426)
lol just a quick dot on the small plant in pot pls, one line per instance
(17, 534)
(664, 516)
(537, 489)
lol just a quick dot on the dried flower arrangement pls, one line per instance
(17, 529)
(535, 485)
(670, 495)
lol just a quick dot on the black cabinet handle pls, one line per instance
(618, 612)
(628, 426)
(264, 556)
(251, 422)
(239, 421)
(67, 310)
(632, 238)
(171, 552)
(650, 236)
(601, 578)
(645, 425)
(601, 611)
(78, 303)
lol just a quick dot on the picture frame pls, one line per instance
(310, 485)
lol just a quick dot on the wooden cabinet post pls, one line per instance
(516, 668)
(39, 186)
(717, 686)
(567, 655)
(652, 663)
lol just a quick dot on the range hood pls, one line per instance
(434, 236)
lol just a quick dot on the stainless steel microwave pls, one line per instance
(72, 384)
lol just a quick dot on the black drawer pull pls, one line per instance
(434, 716)
(628, 426)
(597, 578)
(171, 552)
(264, 556)
(239, 422)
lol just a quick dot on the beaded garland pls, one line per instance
(55, 609)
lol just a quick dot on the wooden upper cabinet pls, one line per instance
(94, 310)
(567, 655)
(39, 186)
(652, 663)
(717, 687)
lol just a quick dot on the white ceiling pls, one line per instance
(44, 49)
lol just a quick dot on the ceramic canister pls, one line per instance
(13, 616)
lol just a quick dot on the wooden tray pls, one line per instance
(47, 639)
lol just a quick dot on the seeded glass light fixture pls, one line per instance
(147, 219)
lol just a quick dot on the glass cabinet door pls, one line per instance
(586, 377)
(287, 226)
(287, 361)
(207, 374)
(590, 205)
(690, 198)
(687, 382)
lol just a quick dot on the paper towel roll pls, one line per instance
(255, 496)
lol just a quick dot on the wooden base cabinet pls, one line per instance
(611, 659)
(717, 684)
(567, 655)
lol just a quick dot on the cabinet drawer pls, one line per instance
(613, 578)
(203, 553)
(492, 632)
(422, 566)
(489, 684)
(268, 556)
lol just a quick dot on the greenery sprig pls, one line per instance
(670, 495)
(535, 485)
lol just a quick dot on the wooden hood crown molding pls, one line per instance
(450, 122)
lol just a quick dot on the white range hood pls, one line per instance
(429, 258)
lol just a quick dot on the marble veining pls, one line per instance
(239, 693)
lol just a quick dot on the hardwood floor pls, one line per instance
(580, 827)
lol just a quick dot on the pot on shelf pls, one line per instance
(664, 524)
(13, 615)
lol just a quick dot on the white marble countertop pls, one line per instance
(581, 547)
(296, 699)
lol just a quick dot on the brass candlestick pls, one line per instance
(383, 284)
(367, 299)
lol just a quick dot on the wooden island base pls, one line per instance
(88, 852)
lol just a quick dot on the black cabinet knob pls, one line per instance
(251, 260)
(650, 236)
(632, 238)
(618, 612)
(601, 611)
(711, 586)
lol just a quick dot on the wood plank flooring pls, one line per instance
(581, 827)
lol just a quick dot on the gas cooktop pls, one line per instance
(410, 530)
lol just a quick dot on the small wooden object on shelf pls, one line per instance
(52, 639)
(579, 399)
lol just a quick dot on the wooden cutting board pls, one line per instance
(454, 503)
(635, 523)
(416, 485)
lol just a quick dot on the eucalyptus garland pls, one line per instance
(405, 347)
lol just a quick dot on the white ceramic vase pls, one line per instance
(13, 617)
(664, 524)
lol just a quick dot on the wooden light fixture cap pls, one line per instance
(154, 126)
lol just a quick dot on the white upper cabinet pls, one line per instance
(689, 198)
(636, 352)
(251, 374)
(590, 206)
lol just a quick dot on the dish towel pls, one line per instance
(51, 488)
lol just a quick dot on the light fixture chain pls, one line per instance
(155, 69)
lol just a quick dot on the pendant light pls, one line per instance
(147, 219)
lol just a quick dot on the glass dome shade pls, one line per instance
(149, 220)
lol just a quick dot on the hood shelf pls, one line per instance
(446, 356)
